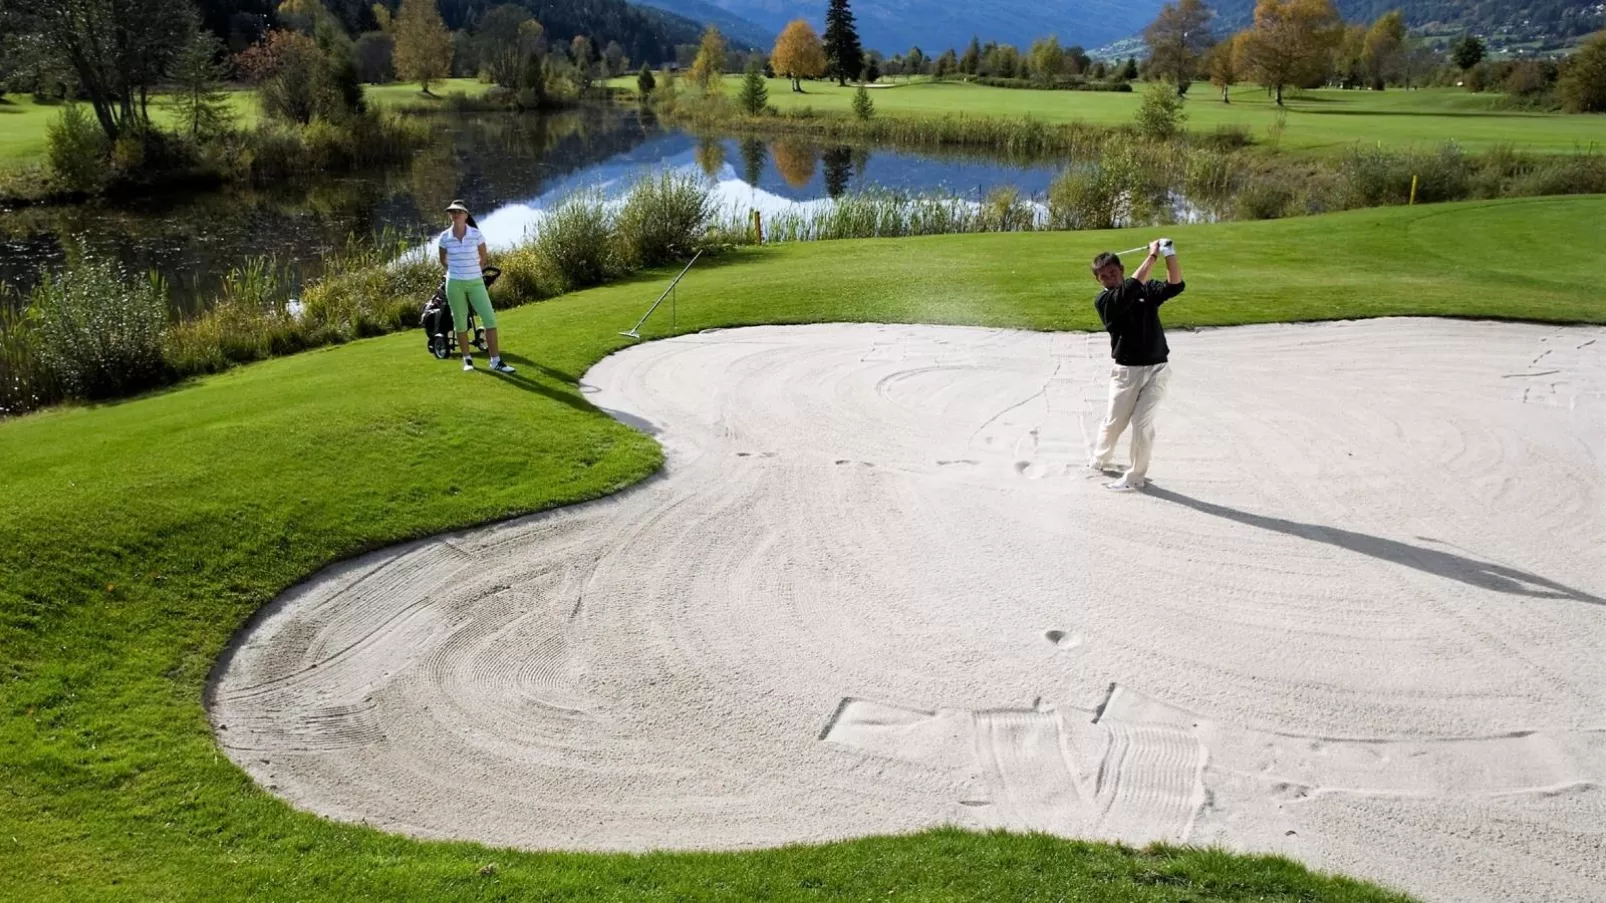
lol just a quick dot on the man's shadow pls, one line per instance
(1482, 574)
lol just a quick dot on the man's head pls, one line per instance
(1107, 270)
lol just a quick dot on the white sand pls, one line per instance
(1358, 621)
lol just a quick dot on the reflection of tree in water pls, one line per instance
(753, 158)
(861, 162)
(711, 156)
(838, 163)
(434, 178)
(794, 160)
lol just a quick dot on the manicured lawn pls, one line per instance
(137, 537)
(1327, 119)
(23, 122)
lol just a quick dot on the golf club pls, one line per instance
(1166, 242)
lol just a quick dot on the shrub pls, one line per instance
(573, 239)
(1006, 210)
(1583, 173)
(1373, 177)
(662, 220)
(25, 381)
(77, 151)
(100, 334)
(1227, 138)
(1160, 116)
(1263, 199)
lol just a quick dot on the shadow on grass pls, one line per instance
(1471, 571)
(523, 381)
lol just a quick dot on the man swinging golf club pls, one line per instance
(1130, 311)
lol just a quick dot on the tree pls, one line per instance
(947, 64)
(915, 62)
(1467, 52)
(295, 81)
(1225, 65)
(382, 17)
(1349, 65)
(755, 93)
(1291, 42)
(118, 50)
(798, 54)
(970, 63)
(1178, 39)
(199, 100)
(709, 69)
(863, 106)
(1130, 70)
(872, 68)
(843, 55)
(376, 53)
(1383, 50)
(645, 83)
(613, 59)
(1046, 58)
(498, 40)
(423, 45)
(1582, 84)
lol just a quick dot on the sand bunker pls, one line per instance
(1359, 619)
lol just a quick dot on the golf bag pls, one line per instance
(440, 334)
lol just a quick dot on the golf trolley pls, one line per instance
(439, 333)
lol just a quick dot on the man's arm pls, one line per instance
(1173, 269)
(1142, 274)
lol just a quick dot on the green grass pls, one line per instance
(23, 122)
(1322, 120)
(137, 537)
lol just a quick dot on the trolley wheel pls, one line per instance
(438, 347)
(479, 339)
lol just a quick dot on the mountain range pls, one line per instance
(893, 26)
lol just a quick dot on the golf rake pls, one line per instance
(635, 331)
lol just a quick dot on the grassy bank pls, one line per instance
(1324, 120)
(138, 536)
(23, 121)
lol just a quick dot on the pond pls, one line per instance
(506, 167)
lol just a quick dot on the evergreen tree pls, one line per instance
(645, 83)
(843, 53)
(863, 107)
(200, 102)
(1130, 70)
(755, 93)
(970, 63)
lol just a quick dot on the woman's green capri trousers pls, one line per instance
(460, 293)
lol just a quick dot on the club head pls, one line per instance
(632, 334)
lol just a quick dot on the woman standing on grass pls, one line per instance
(462, 250)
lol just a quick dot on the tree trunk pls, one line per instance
(1279, 94)
(1224, 97)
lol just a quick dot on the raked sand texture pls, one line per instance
(1358, 619)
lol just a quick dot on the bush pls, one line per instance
(1160, 116)
(573, 241)
(100, 334)
(25, 381)
(662, 221)
(1263, 199)
(1583, 173)
(1374, 177)
(1227, 138)
(77, 150)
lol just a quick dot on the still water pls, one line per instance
(508, 168)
